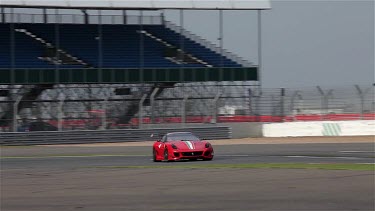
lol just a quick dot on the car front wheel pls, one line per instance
(154, 156)
(166, 155)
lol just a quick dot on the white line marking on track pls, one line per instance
(357, 151)
(233, 155)
(316, 157)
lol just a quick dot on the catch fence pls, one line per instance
(98, 107)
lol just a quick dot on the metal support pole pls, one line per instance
(215, 107)
(100, 47)
(60, 114)
(2, 14)
(15, 113)
(221, 39)
(152, 104)
(181, 55)
(183, 110)
(260, 61)
(181, 36)
(12, 48)
(124, 17)
(57, 47)
(141, 47)
(45, 17)
(140, 111)
(362, 94)
(86, 16)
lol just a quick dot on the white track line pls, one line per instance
(320, 157)
(233, 155)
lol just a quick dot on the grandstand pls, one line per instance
(40, 51)
(35, 47)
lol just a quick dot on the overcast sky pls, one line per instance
(305, 43)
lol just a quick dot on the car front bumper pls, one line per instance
(196, 154)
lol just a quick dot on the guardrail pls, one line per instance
(80, 19)
(105, 136)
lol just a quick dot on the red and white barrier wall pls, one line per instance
(320, 128)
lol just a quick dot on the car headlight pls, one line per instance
(174, 146)
(208, 145)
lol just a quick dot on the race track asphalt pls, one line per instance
(83, 178)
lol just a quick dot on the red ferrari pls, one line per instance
(180, 146)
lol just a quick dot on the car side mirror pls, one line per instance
(156, 136)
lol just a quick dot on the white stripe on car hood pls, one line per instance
(189, 144)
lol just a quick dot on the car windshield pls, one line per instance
(182, 136)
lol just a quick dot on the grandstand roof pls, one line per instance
(143, 4)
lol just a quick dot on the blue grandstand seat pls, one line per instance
(120, 46)
(191, 46)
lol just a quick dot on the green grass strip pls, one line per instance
(330, 166)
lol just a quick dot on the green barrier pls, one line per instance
(149, 75)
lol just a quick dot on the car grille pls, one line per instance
(198, 153)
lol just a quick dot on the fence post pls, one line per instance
(183, 110)
(250, 102)
(292, 101)
(15, 112)
(152, 103)
(361, 97)
(140, 111)
(215, 107)
(321, 92)
(325, 100)
(282, 101)
(60, 114)
(258, 98)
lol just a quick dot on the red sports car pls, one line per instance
(181, 145)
